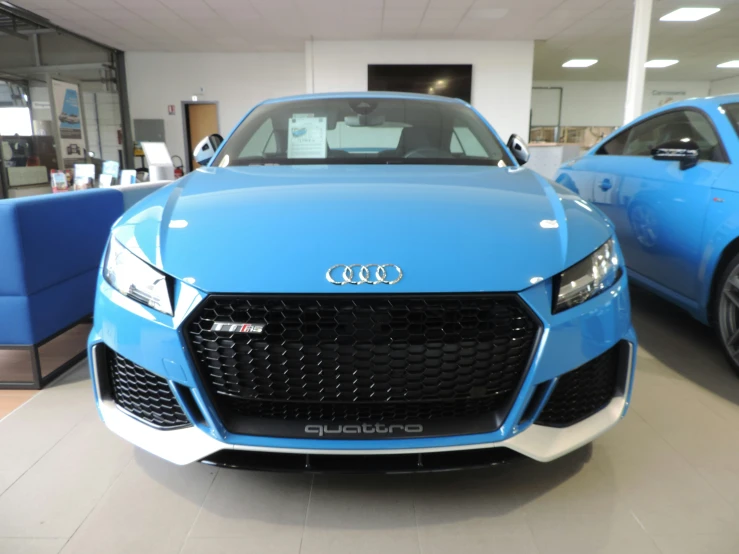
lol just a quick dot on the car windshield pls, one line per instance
(732, 112)
(359, 130)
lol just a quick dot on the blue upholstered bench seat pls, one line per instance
(50, 249)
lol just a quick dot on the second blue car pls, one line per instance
(669, 181)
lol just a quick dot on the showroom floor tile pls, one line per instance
(664, 481)
(13, 399)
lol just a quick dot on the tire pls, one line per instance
(725, 312)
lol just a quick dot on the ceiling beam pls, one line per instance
(56, 68)
(27, 32)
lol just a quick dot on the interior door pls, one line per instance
(202, 121)
(659, 209)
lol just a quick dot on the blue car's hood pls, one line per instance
(279, 229)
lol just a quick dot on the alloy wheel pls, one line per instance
(728, 315)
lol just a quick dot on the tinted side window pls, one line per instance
(615, 146)
(648, 134)
(701, 131)
(261, 142)
(732, 112)
(674, 126)
(468, 142)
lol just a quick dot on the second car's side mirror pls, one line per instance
(206, 149)
(686, 152)
(518, 148)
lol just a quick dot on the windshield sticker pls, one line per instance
(306, 137)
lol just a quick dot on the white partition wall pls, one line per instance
(501, 78)
(501, 71)
(157, 80)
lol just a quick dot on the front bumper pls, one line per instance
(568, 340)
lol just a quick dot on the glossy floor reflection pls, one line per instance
(665, 481)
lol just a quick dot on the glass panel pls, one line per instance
(27, 140)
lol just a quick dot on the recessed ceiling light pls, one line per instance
(660, 63)
(732, 63)
(579, 63)
(689, 14)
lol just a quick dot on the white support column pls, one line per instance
(309, 82)
(637, 59)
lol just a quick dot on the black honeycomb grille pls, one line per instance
(583, 391)
(143, 394)
(364, 358)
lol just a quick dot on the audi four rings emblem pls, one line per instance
(370, 274)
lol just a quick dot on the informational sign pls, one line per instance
(156, 153)
(657, 98)
(306, 137)
(58, 181)
(111, 168)
(128, 176)
(170, 109)
(71, 127)
(84, 176)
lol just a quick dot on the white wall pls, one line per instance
(725, 86)
(501, 71)
(601, 103)
(501, 78)
(235, 81)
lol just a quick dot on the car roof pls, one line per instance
(707, 103)
(367, 94)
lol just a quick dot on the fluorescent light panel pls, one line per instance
(689, 14)
(579, 63)
(732, 64)
(660, 63)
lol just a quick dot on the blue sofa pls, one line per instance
(50, 250)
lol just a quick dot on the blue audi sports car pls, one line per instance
(669, 181)
(361, 282)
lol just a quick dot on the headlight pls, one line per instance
(587, 278)
(136, 279)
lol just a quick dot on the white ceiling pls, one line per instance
(564, 28)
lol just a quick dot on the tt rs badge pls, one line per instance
(230, 327)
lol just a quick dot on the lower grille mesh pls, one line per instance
(143, 394)
(583, 391)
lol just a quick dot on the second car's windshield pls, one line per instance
(362, 130)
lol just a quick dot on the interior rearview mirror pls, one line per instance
(206, 149)
(684, 151)
(518, 148)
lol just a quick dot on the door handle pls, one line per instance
(605, 184)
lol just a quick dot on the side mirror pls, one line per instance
(206, 149)
(518, 148)
(686, 152)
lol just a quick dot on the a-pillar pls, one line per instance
(637, 59)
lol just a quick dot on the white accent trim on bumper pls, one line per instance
(184, 446)
(190, 444)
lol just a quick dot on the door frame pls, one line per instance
(186, 129)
